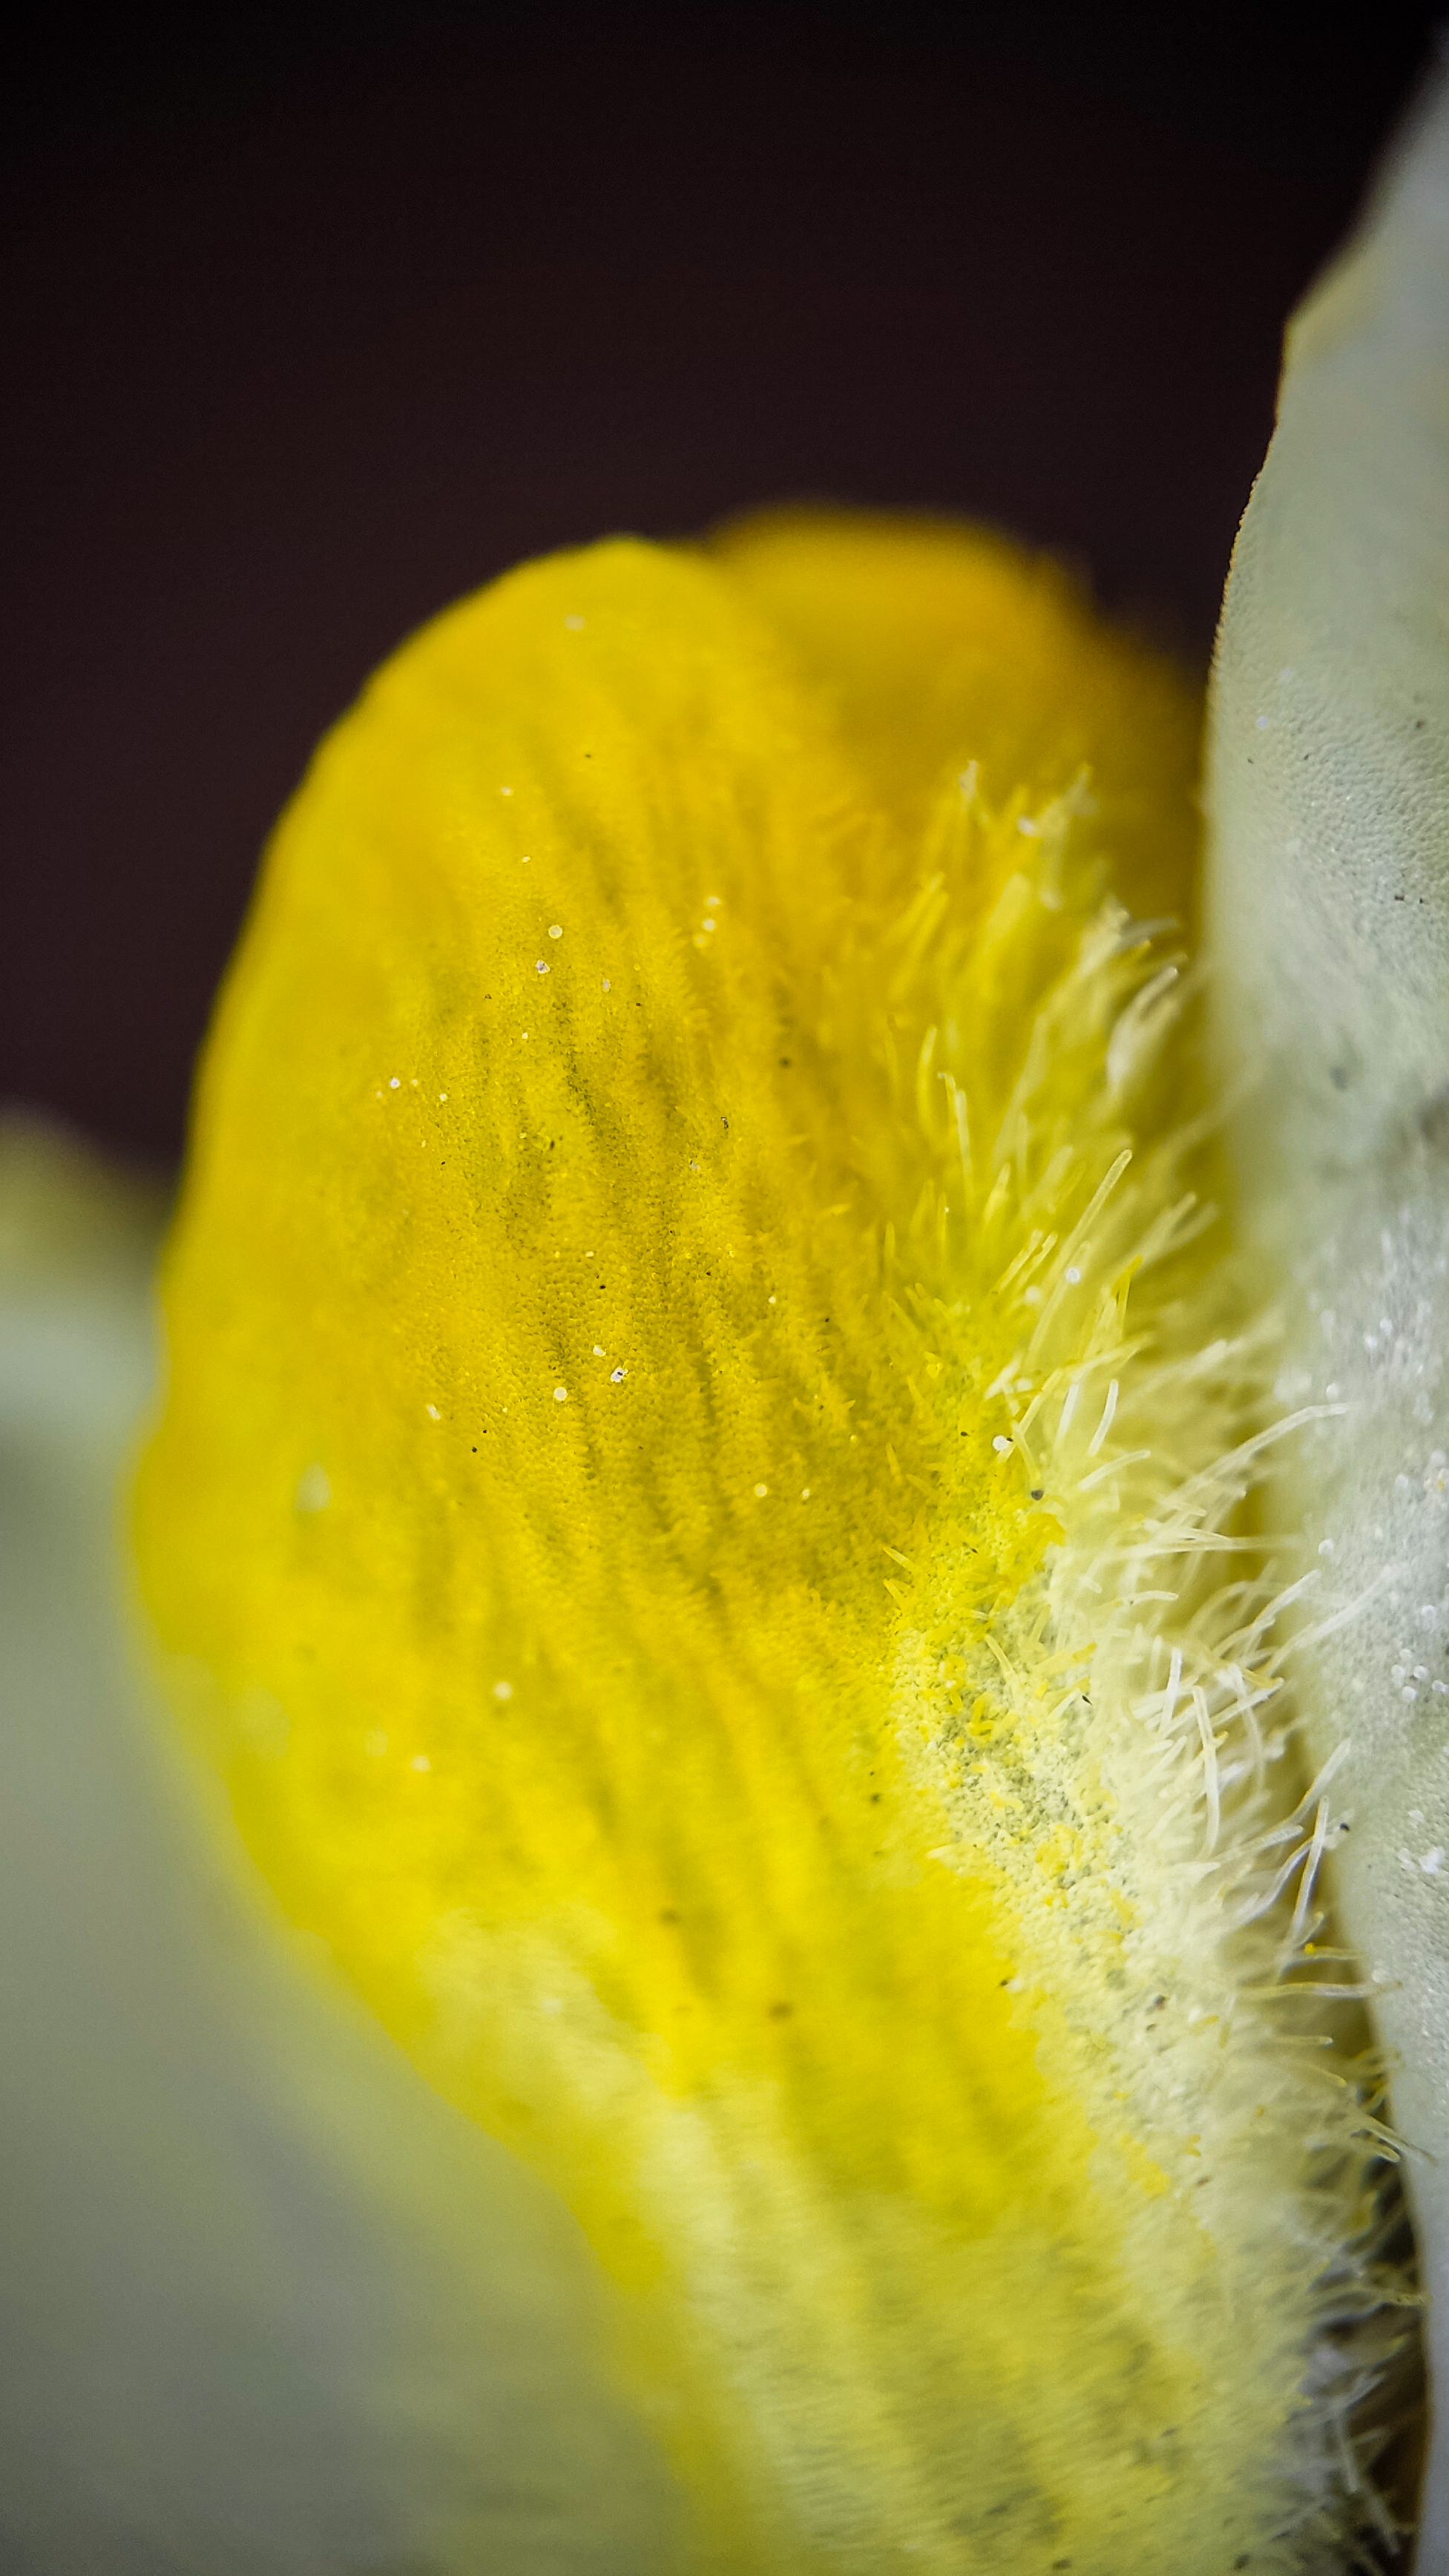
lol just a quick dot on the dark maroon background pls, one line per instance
(313, 319)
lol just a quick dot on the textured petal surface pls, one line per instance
(700, 1423)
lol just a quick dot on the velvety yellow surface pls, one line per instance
(594, 1509)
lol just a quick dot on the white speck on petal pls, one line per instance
(560, 1395)
(555, 930)
(542, 966)
(421, 1762)
(575, 625)
(395, 1084)
(503, 1690)
(760, 1492)
(433, 1414)
(616, 1376)
(1002, 1447)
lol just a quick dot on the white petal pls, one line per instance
(1328, 789)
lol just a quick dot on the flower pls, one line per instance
(845, 1905)
(698, 1509)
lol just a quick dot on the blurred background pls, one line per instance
(315, 318)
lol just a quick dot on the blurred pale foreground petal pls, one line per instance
(1328, 885)
(267, 2307)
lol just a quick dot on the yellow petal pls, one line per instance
(694, 1433)
(927, 638)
